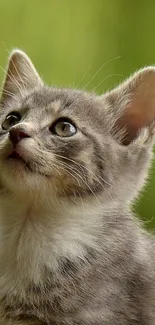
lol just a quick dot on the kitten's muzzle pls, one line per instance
(17, 134)
(15, 156)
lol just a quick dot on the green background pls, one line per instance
(90, 44)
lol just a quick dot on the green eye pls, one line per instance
(11, 119)
(63, 128)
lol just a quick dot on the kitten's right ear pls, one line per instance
(21, 76)
(133, 105)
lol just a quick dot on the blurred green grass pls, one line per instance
(90, 44)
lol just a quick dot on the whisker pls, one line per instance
(6, 92)
(82, 167)
(69, 172)
(96, 178)
(12, 78)
(84, 75)
(99, 69)
(82, 179)
(110, 76)
(22, 81)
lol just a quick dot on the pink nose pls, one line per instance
(16, 135)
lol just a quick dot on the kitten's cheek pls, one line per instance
(5, 148)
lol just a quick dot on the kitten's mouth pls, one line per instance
(14, 156)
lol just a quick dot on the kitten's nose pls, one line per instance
(17, 134)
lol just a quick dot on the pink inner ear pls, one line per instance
(140, 111)
(132, 123)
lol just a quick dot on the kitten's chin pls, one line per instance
(20, 179)
(16, 161)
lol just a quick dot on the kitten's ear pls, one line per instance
(133, 104)
(21, 76)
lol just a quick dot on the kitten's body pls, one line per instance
(71, 252)
(112, 285)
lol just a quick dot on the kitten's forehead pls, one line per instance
(53, 102)
(58, 99)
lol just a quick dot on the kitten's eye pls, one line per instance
(63, 128)
(11, 119)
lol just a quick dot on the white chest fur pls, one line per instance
(32, 238)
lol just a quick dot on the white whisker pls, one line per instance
(103, 65)
(84, 75)
(110, 76)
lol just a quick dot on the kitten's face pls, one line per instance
(64, 147)
(67, 143)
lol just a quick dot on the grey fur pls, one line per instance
(71, 251)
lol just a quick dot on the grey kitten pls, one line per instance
(71, 251)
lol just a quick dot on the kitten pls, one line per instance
(71, 163)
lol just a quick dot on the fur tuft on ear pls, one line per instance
(133, 104)
(21, 76)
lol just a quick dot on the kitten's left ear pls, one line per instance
(133, 104)
(21, 76)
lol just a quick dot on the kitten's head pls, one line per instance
(69, 143)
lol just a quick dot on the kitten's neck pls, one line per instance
(39, 237)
